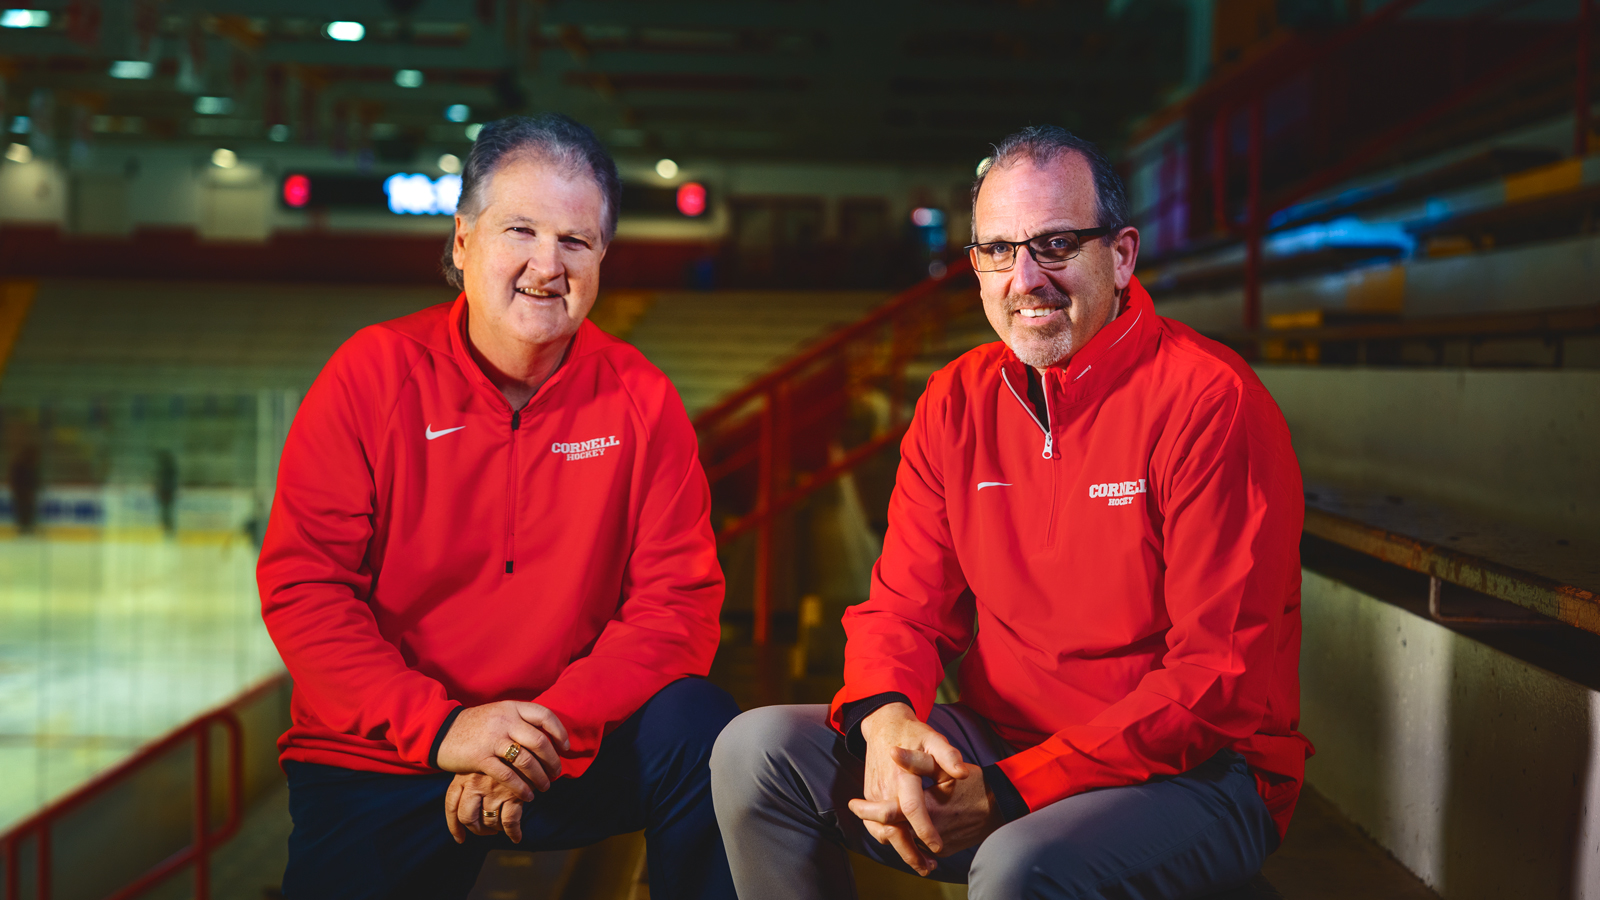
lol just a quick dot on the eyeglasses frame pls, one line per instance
(1083, 235)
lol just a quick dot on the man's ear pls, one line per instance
(1125, 255)
(458, 247)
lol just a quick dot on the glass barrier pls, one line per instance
(129, 529)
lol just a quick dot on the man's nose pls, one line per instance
(545, 261)
(1027, 276)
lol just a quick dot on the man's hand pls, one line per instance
(962, 808)
(482, 805)
(481, 735)
(894, 809)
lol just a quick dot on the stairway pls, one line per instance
(710, 343)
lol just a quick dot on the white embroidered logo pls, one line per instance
(431, 434)
(1121, 493)
(586, 449)
(984, 484)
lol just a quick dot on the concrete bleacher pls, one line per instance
(711, 343)
(1506, 222)
(85, 338)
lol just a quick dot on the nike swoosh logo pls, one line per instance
(439, 434)
(984, 484)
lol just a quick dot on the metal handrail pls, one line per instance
(892, 309)
(205, 839)
(776, 420)
(1251, 97)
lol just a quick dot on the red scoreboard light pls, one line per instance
(297, 191)
(692, 198)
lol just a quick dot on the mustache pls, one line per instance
(1047, 296)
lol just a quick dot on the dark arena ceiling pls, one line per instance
(808, 80)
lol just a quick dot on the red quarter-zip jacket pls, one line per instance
(1124, 577)
(430, 548)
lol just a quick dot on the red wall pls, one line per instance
(177, 253)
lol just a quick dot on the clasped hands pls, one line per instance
(956, 812)
(488, 792)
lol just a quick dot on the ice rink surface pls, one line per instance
(109, 640)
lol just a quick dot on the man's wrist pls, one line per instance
(438, 738)
(893, 711)
(1004, 798)
(853, 712)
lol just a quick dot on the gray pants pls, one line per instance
(781, 778)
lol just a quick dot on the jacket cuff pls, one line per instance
(1006, 795)
(851, 715)
(438, 739)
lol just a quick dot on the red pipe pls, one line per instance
(40, 823)
(763, 572)
(1252, 246)
(959, 269)
(1383, 142)
(202, 812)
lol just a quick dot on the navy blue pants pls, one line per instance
(367, 835)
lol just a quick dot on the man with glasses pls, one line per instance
(1102, 513)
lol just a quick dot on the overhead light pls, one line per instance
(21, 124)
(927, 217)
(24, 18)
(213, 106)
(223, 158)
(132, 68)
(345, 31)
(458, 112)
(278, 133)
(472, 131)
(19, 153)
(450, 163)
(666, 168)
(408, 78)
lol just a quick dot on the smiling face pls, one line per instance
(1046, 315)
(530, 259)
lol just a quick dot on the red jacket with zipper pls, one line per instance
(431, 548)
(1123, 577)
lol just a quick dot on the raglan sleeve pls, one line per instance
(315, 578)
(669, 621)
(1233, 510)
(919, 612)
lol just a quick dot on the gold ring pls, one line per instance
(489, 815)
(510, 756)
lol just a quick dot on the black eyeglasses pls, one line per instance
(1048, 250)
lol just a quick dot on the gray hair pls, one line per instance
(550, 137)
(1044, 144)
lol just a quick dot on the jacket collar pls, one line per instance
(480, 382)
(1095, 368)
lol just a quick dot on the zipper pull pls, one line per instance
(516, 420)
(1049, 445)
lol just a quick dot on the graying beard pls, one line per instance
(1042, 354)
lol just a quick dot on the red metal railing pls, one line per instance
(1250, 98)
(791, 416)
(205, 839)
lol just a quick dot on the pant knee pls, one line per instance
(1019, 866)
(752, 756)
(691, 712)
